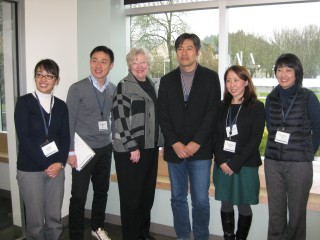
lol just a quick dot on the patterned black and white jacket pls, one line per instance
(134, 116)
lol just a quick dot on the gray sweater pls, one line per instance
(134, 117)
(84, 113)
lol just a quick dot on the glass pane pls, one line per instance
(164, 2)
(258, 35)
(8, 76)
(157, 33)
(2, 90)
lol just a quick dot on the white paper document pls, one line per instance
(83, 152)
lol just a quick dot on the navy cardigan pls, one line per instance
(31, 133)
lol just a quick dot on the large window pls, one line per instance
(256, 40)
(157, 32)
(252, 34)
(232, 32)
(246, 32)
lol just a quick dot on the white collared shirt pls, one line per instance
(96, 84)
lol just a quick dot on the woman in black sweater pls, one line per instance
(293, 123)
(236, 151)
(42, 127)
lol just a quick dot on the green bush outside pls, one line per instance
(263, 143)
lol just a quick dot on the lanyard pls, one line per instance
(285, 116)
(185, 91)
(104, 100)
(46, 126)
(231, 123)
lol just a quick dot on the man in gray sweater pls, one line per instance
(90, 103)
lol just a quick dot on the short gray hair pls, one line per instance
(138, 50)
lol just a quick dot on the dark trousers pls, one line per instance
(137, 182)
(98, 169)
(288, 186)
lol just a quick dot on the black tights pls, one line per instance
(243, 209)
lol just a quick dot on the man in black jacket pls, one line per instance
(188, 98)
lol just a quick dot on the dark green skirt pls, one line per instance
(240, 188)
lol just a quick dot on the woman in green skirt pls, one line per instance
(236, 151)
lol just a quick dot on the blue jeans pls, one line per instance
(198, 172)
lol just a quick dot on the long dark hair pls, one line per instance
(249, 95)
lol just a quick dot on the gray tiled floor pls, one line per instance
(6, 229)
(114, 232)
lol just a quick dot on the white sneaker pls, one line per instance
(100, 234)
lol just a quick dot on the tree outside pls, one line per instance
(158, 32)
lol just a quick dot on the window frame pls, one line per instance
(222, 6)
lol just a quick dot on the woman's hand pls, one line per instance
(135, 156)
(53, 170)
(225, 168)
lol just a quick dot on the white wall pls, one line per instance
(105, 27)
(102, 23)
(50, 32)
(93, 24)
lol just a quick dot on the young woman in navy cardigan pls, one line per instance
(237, 158)
(42, 128)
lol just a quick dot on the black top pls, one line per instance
(313, 109)
(150, 90)
(250, 125)
(191, 121)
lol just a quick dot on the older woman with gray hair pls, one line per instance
(136, 145)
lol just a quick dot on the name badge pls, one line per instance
(49, 148)
(229, 146)
(103, 125)
(233, 132)
(282, 137)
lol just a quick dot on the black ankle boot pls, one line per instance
(244, 224)
(227, 219)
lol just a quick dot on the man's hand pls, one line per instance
(181, 150)
(72, 161)
(192, 148)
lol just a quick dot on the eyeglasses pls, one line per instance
(139, 63)
(47, 76)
